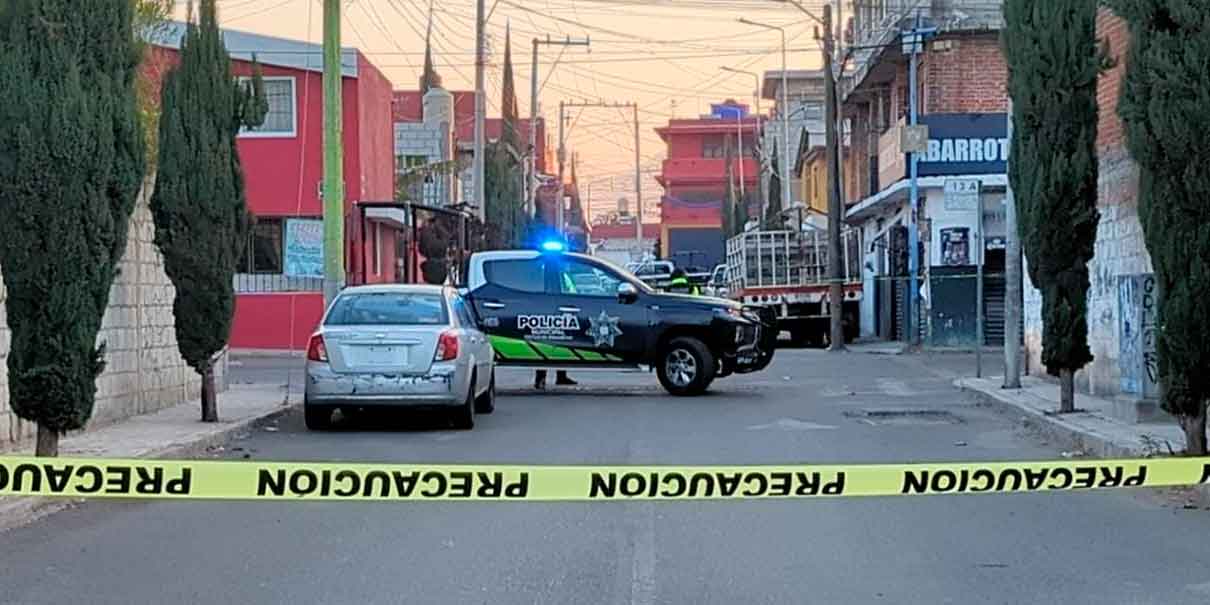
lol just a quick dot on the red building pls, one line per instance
(279, 288)
(694, 177)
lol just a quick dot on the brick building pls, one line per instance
(1121, 299)
(962, 98)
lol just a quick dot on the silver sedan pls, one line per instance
(399, 345)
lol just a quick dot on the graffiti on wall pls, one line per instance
(1150, 359)
(1137, 301)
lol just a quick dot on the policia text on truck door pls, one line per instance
(565, 310)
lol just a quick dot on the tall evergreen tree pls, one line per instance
(429, 77)
(199, 207)
(1053, 62)
(503, 174)
(502, 194)
(510, 133)
(1164, 101)
(773, 218)
(729, 202)
(71, 165)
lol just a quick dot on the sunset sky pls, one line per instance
(663, 54)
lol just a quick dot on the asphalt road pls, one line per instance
(1085, 547)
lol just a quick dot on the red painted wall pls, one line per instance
(282, 178)
(275, 321)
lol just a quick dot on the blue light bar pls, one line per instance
(553, 246)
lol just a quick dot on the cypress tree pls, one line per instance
(728, 206)
(1053, 63)
(773, 217)
(1164, 99)
(200, 213)
(71, 164)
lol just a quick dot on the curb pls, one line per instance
(1073, 438)
(20, 511)
(1054, 428)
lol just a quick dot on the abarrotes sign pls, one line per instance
(965, 144)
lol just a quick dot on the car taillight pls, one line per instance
(447, 347)
(316, 351)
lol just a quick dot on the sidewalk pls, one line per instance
(1093, 429)
(171, 432)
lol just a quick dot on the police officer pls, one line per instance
(680, 283)
(561, 377)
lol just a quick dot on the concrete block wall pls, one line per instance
(1120, 250)
(144, 371)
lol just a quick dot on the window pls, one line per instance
(523, 275)
(281, 120)
(263, 251)
(388, 309)
(585, 279)
(712, 147)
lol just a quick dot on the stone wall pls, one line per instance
(144, 371)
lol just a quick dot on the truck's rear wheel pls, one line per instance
(686, 367)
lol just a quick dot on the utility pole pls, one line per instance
(333, 182)
(835, 268)
(480, 107)
(531, 192)
(638, 182)
(562, 158)
(638, 188)
(913, 43)
(1012, 281)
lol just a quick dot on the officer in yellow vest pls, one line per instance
(681, 284)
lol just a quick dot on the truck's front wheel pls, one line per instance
(686, 367)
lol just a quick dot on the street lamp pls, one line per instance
(785, 108)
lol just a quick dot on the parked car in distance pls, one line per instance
(396, 346)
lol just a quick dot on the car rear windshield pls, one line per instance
(389, 309)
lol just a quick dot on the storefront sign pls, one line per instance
(304, 247)
(961, 144)
(962, 194)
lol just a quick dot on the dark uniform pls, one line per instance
(561, 377)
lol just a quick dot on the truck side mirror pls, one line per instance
(627, 293)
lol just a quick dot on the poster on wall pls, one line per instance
(304, 247)
(955, 246)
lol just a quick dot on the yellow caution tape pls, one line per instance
(219, 480)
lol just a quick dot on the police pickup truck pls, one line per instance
(562, 310)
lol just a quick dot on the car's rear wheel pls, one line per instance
(486, 403)
(464, 416)
(686, 367)
(317, 417)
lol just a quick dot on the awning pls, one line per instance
(901, 189)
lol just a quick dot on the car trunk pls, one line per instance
(381, 349)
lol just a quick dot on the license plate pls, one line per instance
(383, 355)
